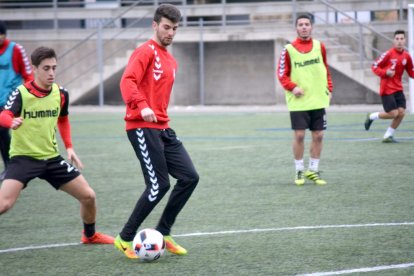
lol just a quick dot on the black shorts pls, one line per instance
(57, 171)
(312, 119)
(393, 101)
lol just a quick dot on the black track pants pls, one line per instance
(160, 154)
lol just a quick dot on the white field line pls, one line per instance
(365, 269)
(297, 228)
(228, 148)
(360, 139)
(32, 247)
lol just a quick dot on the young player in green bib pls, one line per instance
(303, 73)
(33, 111)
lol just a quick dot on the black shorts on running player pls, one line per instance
(393, 101)
(57, 171)
(310, 119)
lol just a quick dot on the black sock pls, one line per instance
(89, 229)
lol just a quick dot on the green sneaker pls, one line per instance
(174, 247)
(368, 122)
(299, 178)
(389, 139)
(315, 177)
(125, 247)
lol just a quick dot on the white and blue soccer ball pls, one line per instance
(149, 244)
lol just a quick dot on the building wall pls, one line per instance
(186, 90)
(236, 73)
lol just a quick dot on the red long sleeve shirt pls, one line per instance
(283, 72)
(20, 61)
(399, 61)
(14, 107)
(147, 82)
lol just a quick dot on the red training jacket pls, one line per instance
(397, 60)
(147, 82)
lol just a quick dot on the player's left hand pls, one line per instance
(74, 159)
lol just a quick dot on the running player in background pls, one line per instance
(303, 73)
(146, 87)
(390, 68)
(15, 69)
(33, 111)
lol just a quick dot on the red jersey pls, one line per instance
(20, 61)
(284, 65)
(147, 82)
(392, 59)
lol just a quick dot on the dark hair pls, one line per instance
(168, 11)
(304, 16)
(397, 32)
(42, 53)
(3, 28)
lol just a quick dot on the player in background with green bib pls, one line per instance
(303, 72)
(33, 112)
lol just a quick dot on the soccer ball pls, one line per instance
(149, 245)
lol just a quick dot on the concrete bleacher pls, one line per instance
(240, 59)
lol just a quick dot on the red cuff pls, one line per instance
(6, 118)
(140, 105)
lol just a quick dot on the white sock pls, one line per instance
(389, 132)
(299, 165)
(374, 116)
(314, 164)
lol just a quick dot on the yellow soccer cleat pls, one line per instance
(173, 247)
(314, 176)
(389, 139)
(125, 247)
(299, 178)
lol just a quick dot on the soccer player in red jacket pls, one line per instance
(390, 67)
(15, 69)
(146, 87)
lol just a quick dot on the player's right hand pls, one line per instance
(297, 91)
(148, 115)
(390, 73)
(17, 122)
